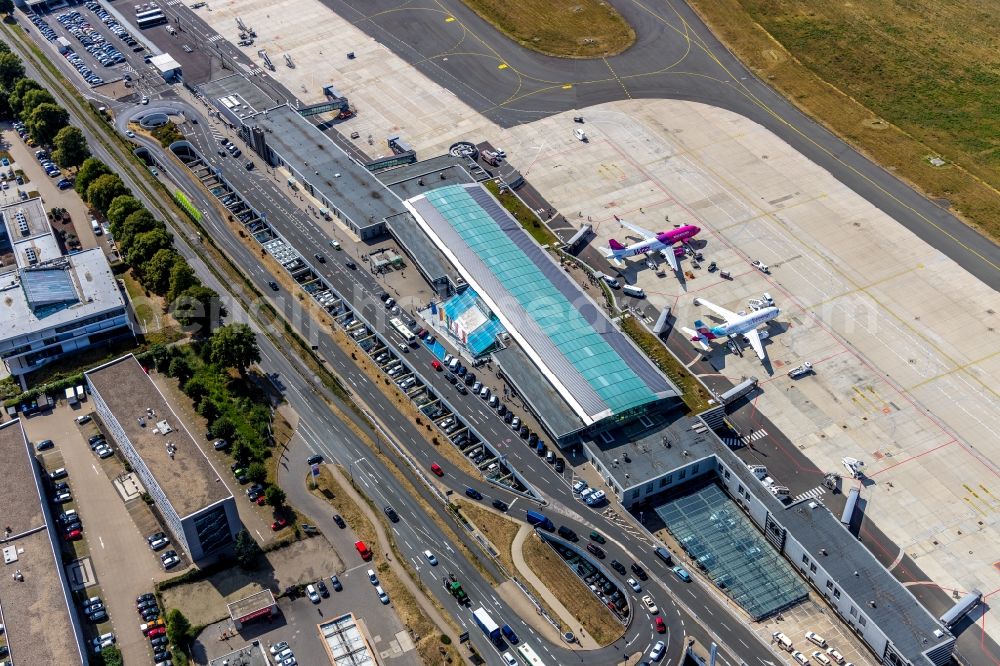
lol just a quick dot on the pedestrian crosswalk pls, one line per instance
(738, 442)
(216, 38)
(256, 70)
(811, 494)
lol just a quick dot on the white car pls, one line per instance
(372, 578)
(650, 605)
(508, 659)
(157, 544)
(284, 654)
(800, 658)
(430, 558)
(382, 596)
(836, 656)
(634, 584)
(278, 647)
(312, 593)
(171, 561)
(816, 638)
(130, 134)
(822, 658)
(145, 100)
(656, 653)
(580, 486)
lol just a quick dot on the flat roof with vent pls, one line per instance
(26, 226)
(60, 292)
(250, 655)
(187, 478)
(39, 628)
(349, 185)
(258, 603)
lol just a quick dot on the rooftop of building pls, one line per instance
(591, 364)
(30, 234)
(352, 188)
(648, 448)
(251, 604)
(345, 642)
(165, 63)
(250, 97)
(187, 478)
(554, 413)
(415, 242)
(249, 655)
(881, 598)
(410, 180)
(60, 292)
(38, 624)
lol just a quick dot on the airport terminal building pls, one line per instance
(196, 505)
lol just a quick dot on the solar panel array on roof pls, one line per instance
(576, 343)
(49, 286)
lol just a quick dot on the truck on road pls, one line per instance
(486, 623)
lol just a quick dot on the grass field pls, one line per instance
(565, 28)
(903, 80)
(594, 617)
(523, 214)
(693, 393)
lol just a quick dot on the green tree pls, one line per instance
(235, 346)
(103, 191)
(45, 121)
(11, 69)
(247, 550)
(180, 369)
(178, 629)
(182, 278)
(21, 87)
(257, 472)
(120, 208)
(156, 271)
(34, 98)
(223, 428)
(275, 497)
(71, 148)
(198, 309)
(6, 7)
(161, 357)
(137, 223)
(110, 656)
(147, 244)
(91, 170)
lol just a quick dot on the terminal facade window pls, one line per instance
(213, 529)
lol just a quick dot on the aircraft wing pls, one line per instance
(726, 314)
(671, 258)
(645, 233)
(754, 339)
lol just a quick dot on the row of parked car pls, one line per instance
(282, 654)
(149, 611)
(114, 26)
(91, 40)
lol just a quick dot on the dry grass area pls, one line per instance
(499, 530)
(572, 592)
(565, 28)
(428, 644)
(902, 81)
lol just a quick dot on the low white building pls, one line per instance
(165, 64)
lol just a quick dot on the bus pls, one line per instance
(156, 18)
(529, 656)
(404, 330)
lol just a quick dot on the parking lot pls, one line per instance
(92, 53)
(113, 560)
(296, 625)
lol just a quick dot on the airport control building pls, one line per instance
(195, 503)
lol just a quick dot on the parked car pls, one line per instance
(337, 586)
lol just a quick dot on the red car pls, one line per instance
(74, 535)
(437, 365)
(437, 469)
(261, 501)
(278, 524)
(156, 631)
(661, 628)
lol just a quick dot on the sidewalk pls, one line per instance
(584, 640)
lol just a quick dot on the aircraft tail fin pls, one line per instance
(703, 330)
(615, 245)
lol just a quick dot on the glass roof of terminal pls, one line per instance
(599, 364)
(719, 539)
